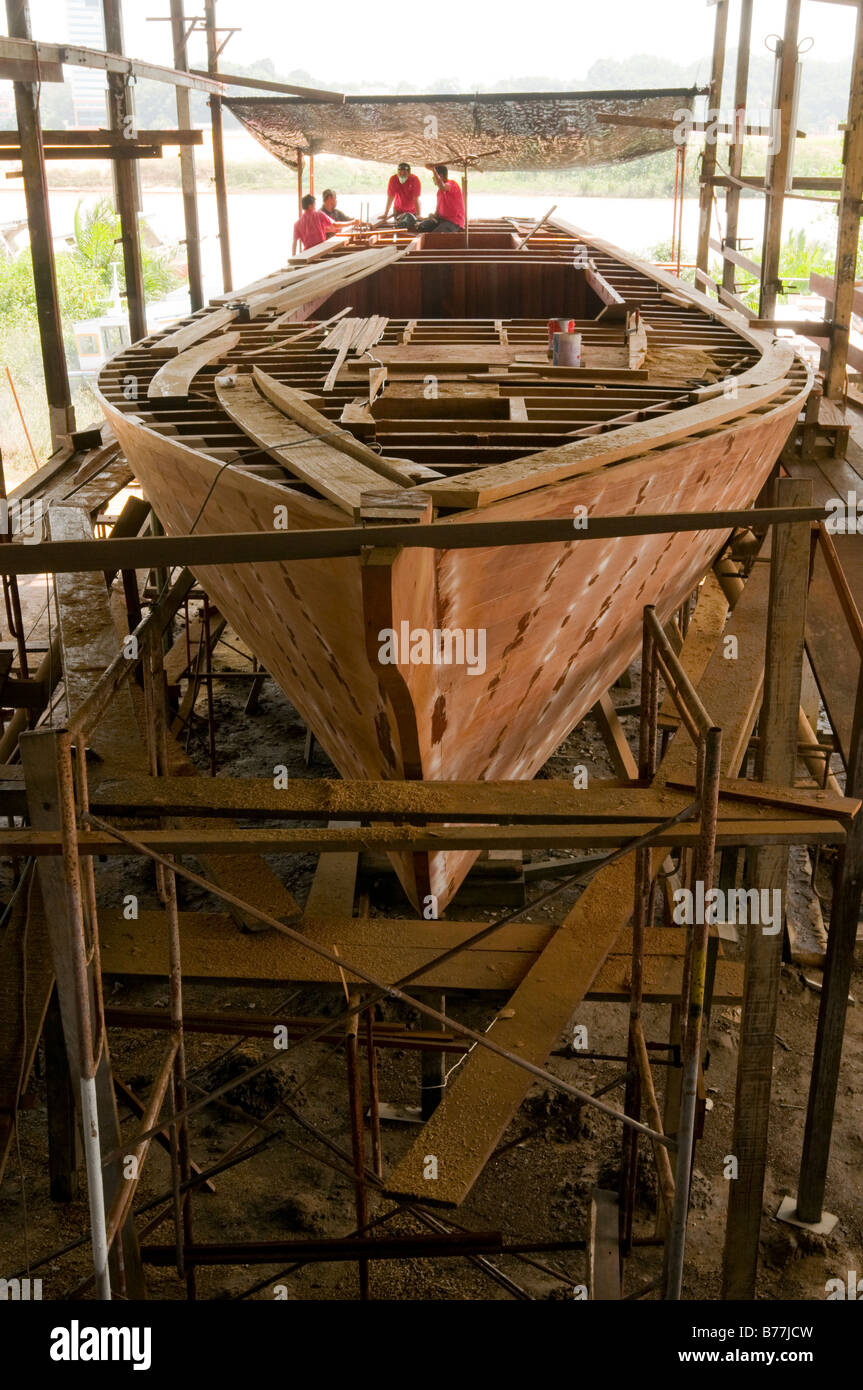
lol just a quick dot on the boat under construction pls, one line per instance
(390, 378)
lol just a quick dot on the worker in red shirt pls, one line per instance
(449, 214)
(312, 227)
(403, 196)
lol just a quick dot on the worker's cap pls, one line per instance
(403, 165)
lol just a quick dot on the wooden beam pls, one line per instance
(230, 79)
(486, 485)
(217, 136)
(59, 138)
(262, 547)
(779, 162)
(777, 761)
(61, 414)
(121, 112)
(708, 158)
(622, 757)
(736, 258)
(538, 802)
(35, 55)
(187, 160)
(849, 227)
(486, 1092)
(744, 828)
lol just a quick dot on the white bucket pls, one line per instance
(567, 349)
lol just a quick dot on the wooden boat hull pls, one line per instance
(560, 624)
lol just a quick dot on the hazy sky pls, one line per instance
(469, 41)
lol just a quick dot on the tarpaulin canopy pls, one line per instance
(512, 130)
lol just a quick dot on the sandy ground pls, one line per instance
(538, 1183)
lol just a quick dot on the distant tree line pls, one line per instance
(823, 98)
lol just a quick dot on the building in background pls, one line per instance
(84, 28)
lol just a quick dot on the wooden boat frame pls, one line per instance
(243, 420)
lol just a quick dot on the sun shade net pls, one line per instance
(524, 130)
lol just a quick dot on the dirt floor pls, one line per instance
(537, 1185)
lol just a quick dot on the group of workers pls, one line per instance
(403, 201)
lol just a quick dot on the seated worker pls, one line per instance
(329, 198)
(312, 227)
(449, 215)
(403, 196)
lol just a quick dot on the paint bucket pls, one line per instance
(559, 326)
(567, 350)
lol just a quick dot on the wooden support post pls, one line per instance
(735, 154)
(122, 121)
(187, 160)
(849, 227)
(777, 758)
(60, 411)
(603, 1250)
(433, 1065)
(46, 758)
(355, 1101)
(300, 162)
(838, 965)
(780, 161)
(219, 176)
(708, 158)
(63, 1142)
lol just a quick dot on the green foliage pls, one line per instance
(85, 285)
(664, 253)
(97, 234)
(801, 256)
(82, 291)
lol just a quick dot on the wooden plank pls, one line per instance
(292, 404)
(334, 886)
(328, 470)
(298, 337)
(352, 329)
(487, 1091)
(185, 337)
(546, 800)
(486, 485)
(172, 381)
(388, 948)
(622, 757)
(603, 1247)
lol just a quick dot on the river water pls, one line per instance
(262, 221)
